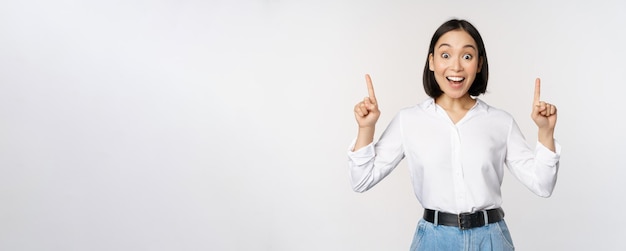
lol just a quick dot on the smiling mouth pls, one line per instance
(455, 79)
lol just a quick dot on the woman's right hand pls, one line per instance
(366, 111)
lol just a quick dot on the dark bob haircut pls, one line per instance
(480, 83)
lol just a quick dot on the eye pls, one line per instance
(467, 56)
(445, 55)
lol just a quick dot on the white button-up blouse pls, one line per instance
(455, 168)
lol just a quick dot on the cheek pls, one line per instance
(440, 66)
(472, 66)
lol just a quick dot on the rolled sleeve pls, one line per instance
(361, 156)
(546, 156)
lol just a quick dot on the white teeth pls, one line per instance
(457, 79)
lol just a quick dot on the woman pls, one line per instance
(457, 147)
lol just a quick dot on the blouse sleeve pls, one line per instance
(537, 169)
(370, 164)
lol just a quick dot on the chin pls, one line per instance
(455, 94)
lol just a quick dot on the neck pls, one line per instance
(463, 103)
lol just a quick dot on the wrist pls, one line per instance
(546, 133)
(366, 133)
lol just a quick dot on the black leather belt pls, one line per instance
(464, 220)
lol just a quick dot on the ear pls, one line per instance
(430, 62)
(480, 64)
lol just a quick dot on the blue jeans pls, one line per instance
(494, 236)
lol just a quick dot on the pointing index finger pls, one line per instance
(537, 90)
(370, 86)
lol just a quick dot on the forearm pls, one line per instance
(365, 137)
(546, 137)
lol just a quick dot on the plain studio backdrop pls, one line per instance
(224, 125)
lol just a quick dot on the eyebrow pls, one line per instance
(466, 46)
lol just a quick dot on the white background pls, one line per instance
(224, 125)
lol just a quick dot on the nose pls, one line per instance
(456, 64)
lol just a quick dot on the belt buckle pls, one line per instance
(464, 221)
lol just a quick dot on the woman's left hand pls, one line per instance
(544, 114)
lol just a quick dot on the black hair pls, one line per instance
(480, 83)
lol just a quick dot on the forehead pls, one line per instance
(456, 39)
